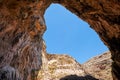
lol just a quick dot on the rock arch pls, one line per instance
(22, 26)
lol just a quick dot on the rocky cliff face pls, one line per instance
(22, 26)
(54, 66)
(100, 66)
(21, 29)
(64, 67)
(58, 66)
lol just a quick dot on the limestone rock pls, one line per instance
(64, 67)
(9, 73)
(100, 66)
(21, 29)
(56, 66)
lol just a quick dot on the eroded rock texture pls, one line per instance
(55, 67)
(99, 66)
(64, 67)
(21, 29)
(22, 26)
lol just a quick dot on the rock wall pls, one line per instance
(22, 26)
(21, 29)
(64, 67)
(99, 66)
(55, 67)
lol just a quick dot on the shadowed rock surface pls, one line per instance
(21, 29)
(9, 73)
(75, 77)
(22, 26)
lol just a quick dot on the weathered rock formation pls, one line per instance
(64, 67)
(54, 67)
(22, 26)
(21, 29)
(99, 66)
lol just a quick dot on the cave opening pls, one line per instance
(68, 34)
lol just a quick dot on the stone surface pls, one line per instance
(99, 66)
(21, 29)
(55, 67)
(64, 67)
(9, 73)
(22, 26)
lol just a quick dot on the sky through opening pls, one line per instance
(68, 34)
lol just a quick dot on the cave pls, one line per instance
(22, 26)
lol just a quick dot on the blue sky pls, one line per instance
(68, 34)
